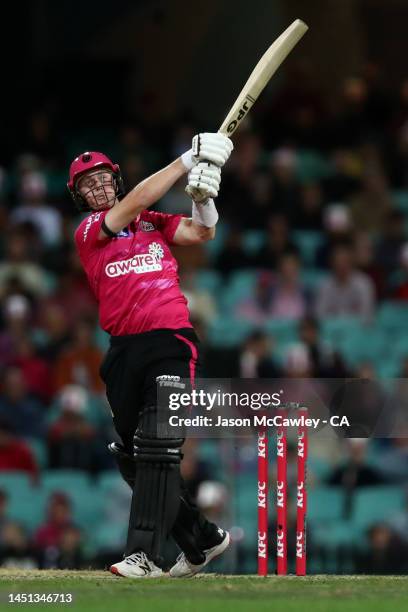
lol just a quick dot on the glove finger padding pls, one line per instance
(212, 147)
(205, 172)
(204, 181)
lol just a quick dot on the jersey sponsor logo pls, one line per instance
(91, 219)
(146, 226)
(139, 264)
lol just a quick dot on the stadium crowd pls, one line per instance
(307, 276)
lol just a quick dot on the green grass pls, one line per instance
(100, 592)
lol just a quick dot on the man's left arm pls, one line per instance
(204, 183)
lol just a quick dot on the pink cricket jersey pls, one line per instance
(134, 276)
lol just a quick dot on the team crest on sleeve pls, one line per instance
(139, 264)
(146, 226)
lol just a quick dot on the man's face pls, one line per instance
(97, 187)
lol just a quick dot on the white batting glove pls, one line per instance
(203, 181)
(212, 147)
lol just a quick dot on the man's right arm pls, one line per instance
(214, 148)
(145, 194)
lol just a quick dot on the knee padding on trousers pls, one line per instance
(163, 450)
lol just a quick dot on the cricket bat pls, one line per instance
(261, 74)
(259, 78)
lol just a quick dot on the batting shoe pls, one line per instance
(136, 566)
(184, 569)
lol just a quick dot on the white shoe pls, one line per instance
(184, 569)
(136, 566)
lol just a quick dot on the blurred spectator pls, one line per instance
(16, 315)
(35, 370)
(73, 443)
(194, 470)
(212, 499)
(200, 301)
(351, 127)
(16, 550)
(15, 455)
(346, 292)
(255, 358)
(345, 179)
(4, 520)
(337, 223)
(278, 242)
(285, 194)
(256, 308)
(24, 412)
(17, 265)
(364, 253)
(289, 299)
(246, 188)
(325, 362)
(232, 256)
(276, 296)
(79, 363)
(72, 293)
(133, 170)
(356, 471)
(371, 205)
(309, 214)
(297, 362)
(56, 257)
(50, 536)
(56, 333)
(33, 194)
(393, 239)
(386, 552)
(70, 549)
(400, 292)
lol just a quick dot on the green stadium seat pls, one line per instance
(213, 247)
(109, 536)
(400, 199)
(311, 166)
(338, 330)
(335, 533)
(365, 344)
(101, 339)
(325, 504)
(253, 240)
(241, 285)
(377, 504)
(392, 317)
(15, 483)
(108, 480)
(208, 280)
(311, 278)
(245, 491)
(68, 481)
(319, 468)
(228, 332)
(308, 242)
(39, 449)
(284, 331)
(28, 508)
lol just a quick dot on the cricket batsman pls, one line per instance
(125, 251)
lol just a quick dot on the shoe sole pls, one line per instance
(114, 570)
(218, 550)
